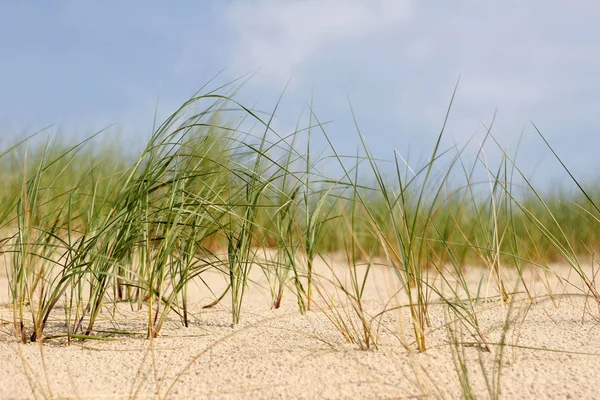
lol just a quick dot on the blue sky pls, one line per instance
(83, 65)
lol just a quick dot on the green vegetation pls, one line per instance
(85, 226)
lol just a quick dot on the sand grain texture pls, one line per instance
(550, 352)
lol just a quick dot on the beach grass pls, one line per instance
(86, 226)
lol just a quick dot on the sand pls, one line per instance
(552, 349)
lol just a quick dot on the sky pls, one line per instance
(82, 65)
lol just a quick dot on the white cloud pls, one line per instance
(282, 37)
(398, 62)
(511, 54)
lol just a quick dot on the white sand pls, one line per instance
(551, 352)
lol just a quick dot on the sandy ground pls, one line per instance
(552, 349)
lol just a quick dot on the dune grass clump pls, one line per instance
(87, 228)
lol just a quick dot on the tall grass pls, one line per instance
(89, 227)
